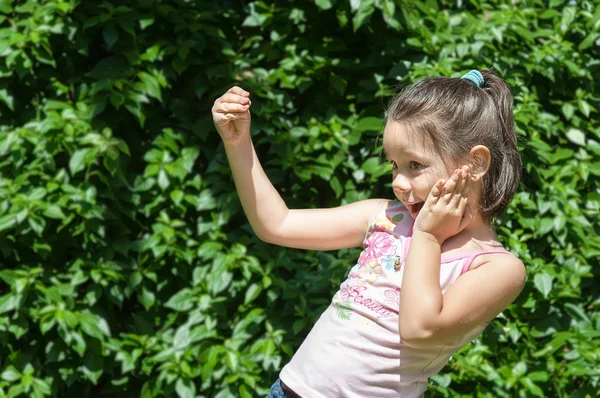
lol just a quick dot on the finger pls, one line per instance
(234, 116)
(235, 98)
(436, 191)
(459, 195)
(239, 91)
(228, 107)
(462, 205)
(459, 190)
(464, 222)
(450, 185)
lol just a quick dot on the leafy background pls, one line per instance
(128, 266)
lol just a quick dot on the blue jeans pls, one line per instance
(277, 391)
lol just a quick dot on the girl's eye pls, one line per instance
(394, 165)
(416, 166)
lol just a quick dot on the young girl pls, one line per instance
(433, 272)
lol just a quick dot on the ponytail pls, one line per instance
(503, 178)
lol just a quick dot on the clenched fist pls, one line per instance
(231, 115)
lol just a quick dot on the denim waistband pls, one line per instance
(277, 391)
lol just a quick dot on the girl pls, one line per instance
(433, 272)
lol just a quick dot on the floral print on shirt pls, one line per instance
(363, 292)
(378, 244)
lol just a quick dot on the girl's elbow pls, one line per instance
(268, 237)
(265, 237)
(415, 337)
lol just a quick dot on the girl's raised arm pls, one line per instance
(269, 216)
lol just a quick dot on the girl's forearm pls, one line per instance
(262, 204)
(421, 297)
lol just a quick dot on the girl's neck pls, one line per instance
(478, 235)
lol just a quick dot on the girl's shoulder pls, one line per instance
(493, 256)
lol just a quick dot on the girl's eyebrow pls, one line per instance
(406, 153)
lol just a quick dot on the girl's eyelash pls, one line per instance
(419, 166)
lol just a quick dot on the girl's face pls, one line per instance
(415, 169)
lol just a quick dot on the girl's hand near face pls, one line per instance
(442, 215)
(231, 115)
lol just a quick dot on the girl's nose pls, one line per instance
(401, 184)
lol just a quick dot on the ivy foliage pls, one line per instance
(127, 265)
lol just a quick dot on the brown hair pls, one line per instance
(453, 115)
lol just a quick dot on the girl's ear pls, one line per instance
(480, 161)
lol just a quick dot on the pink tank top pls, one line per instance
(354, 350)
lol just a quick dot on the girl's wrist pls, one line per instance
(237, 142)
(428, 236)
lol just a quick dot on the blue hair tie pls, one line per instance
(475, 76)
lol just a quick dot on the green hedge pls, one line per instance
(127, 265)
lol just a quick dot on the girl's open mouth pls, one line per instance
(414, 209)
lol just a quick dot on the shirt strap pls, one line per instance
(470, 259)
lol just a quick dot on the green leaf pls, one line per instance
(115, 67)
(6, 6)
(149, 390)
(189, 156)
(298, 326)
(77, 342)
(369, 124)
(27, 7)
(547, 14)
(110, 34)
(7, 222)
(8, 302)
(232, 361)
(163, 179)
(93, 367)
(11, 374)
(543, 283)
(584, 108)
(244, 392)
(577, 312)
(255, 19)
(252, 293)
(42, 387)
(568, 110)
(324, 4)
(176, 196)
(371, 166)
(182, 337)
(538, 376)
(127, 361)
(146, 22)
(36, 224)
(532, 387)
(185, 388)
(16, 390)
(181, 301)
(389, 8)
(147, 298)
(338, 83)
(588, 41)
(365, 10)
(8, 99)
(336, 186)
(576, 136)
(117, 99)
(54, 211)
(78, 160)
(93, 325)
